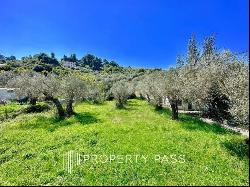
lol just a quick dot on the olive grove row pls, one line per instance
(215, 80)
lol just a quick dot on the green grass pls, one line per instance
(10, 109)
(32, 148)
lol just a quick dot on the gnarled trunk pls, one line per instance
(60, 110)
(69, 108)
(148, 98)
(158, 107)
(33, 101)
(174, 107)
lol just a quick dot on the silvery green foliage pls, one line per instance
(141, 87)
(110, 79)
(157, 89)
(161, 85)
(121, 91)
(27, 85)
(5, 76)
(138, 87)
(193, 51)
(197, 78)
(228, 74)
(96, 93)
(153, 88)
(200, 79)
(73, 88)
(174, 85)
(235, 85)
(49, 86)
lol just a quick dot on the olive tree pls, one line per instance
(201, 81)
(96, 92)
(173, 89)
(150, 87)
(235, 85)
(155, 89)
(27, 85)
(5, 76)
(144, 87)
(51, 88)
(38, 87)
(72, 90)
(108, 81)
(161, 85)
(225, 77)
(121, 91)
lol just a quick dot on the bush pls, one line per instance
(44, 67)
(38, 68)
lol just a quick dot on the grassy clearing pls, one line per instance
(32, 148)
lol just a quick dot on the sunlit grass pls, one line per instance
(10, 109)
(32, 148)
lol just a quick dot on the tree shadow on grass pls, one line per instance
(126, 107)
(101, 103)
(191, 123)
(195, 124)
(237, 148)
(163, 111)
(53, 123)
(86, 118)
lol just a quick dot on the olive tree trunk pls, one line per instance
(33, 101)
(69, 108)
(174, 108)
(147, 97)
(60, 110)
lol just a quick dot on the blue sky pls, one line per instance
(138, 33)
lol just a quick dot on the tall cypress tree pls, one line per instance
(179, 61)
(209, 46)
(193, 51)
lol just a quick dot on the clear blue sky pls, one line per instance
(139, 33)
